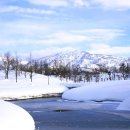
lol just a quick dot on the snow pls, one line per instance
(13, 117)
(16, 118)
(125, 105)
(24, 88)
(84, 59)
(102, 91)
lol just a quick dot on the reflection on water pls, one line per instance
(58, 114)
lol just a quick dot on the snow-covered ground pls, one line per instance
(13, 117)
(24, 88)
(104, 91)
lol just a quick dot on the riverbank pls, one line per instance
(56, 113)
(13, 117)
(25, 89)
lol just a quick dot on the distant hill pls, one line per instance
(84, 59)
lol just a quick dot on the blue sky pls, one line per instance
(43, 27)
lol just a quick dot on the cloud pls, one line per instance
(105, 4)
(62, 37)
(23, 33)
(23, 27)
(50, 51)
(52, 3)
(60, 3)
(18, 9)
(119, 5)
(46, 52)
(80, 3)
(102, 34)
(109, 50)
(31, 33)
(74, 37)
(113, 4)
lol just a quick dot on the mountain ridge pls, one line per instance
(84, 59)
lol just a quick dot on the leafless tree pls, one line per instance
(16, 67)
(30, 66)
(8, 61)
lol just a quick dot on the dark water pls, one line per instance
(57, 114)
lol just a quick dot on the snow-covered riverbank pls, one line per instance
(13, 117)
(104, 91)
(24, 88)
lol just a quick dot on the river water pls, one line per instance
(59, 114)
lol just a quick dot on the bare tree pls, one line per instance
(16, 67)
(8, 60)
(123, 69)
(30, 66)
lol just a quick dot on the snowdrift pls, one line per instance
(111, 90)
(13, 117)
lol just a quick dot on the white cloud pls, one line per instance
(22, 27)
(99, 46)
(109, 50)
(47, 51)
(18, 9)
(102, 35)
(60, 3)
(30, 33)
(52, 3)
(39, 35)
(22, 33)
(80, 3)
(105, 4)
(65, 38)
(113, 4)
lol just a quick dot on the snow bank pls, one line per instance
(125, 105)
(110, 90)
(24, 88)
(13, 117)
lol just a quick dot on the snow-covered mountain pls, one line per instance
(84, 59)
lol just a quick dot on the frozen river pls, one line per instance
(58, 114)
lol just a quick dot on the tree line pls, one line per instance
(58, 69)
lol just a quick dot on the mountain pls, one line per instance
(84, 59)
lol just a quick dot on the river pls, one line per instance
(58, 114)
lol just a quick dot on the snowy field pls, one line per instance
(14, 117)
(24, 88)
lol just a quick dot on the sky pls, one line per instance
(44, 27)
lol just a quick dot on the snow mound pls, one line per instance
(110, 90)
(13, 117)
(125, 105)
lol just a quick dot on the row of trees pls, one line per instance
(60, 70)
(9, 63)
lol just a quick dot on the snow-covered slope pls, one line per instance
(24, 88)
(13, 117)
(83, 59)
